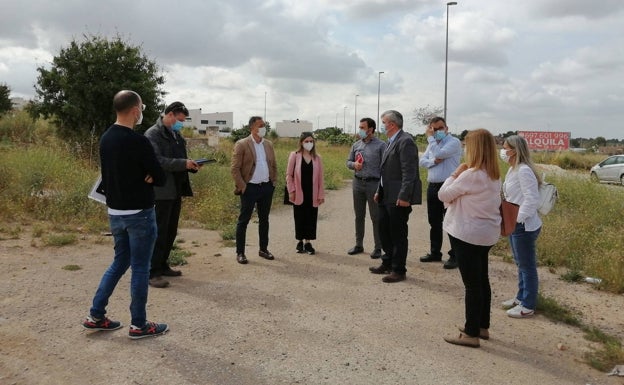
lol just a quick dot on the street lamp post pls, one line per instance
(378, 93)
(355, 125)
(264, 117)
(446, 57)
(344, 119)
(336, 125)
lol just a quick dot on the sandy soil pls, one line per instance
(300, 319)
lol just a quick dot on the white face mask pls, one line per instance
(308, 146)
(140, 119)
(262, 132)
(504, 156)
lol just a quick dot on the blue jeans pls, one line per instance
(260, 196)
(134, 237)
(522, 244)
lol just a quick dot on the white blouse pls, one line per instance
(521, 188)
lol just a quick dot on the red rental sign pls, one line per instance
(541, 140)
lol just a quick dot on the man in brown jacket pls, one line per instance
(254, 170)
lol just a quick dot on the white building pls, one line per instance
(217, 123)
(292, 128)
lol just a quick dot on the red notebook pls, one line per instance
(359, 158)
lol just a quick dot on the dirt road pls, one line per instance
(300, 319)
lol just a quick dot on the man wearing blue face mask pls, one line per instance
(170, 148)
(365, 160)
(441, 158)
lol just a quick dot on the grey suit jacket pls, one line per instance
(399, 172)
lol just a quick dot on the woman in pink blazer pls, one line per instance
(306, 190)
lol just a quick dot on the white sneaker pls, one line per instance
(520, 311)
(510, 303)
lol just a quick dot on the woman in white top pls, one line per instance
(522, 188)
(472, 221)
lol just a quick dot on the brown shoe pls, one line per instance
(158, 282)
(240, 258)
(381, 269)
(484, 334)
(393, 277)
(266, 254)
(463, 340)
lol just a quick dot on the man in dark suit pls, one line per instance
(254, 171)
(399, 188)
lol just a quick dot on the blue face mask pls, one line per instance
(382, 129)
(439, 135)
(177, 126)
(362, 134)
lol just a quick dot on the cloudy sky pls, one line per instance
(544, 65)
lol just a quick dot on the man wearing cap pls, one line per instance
(170, 148)
(441, 158)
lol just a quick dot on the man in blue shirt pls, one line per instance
(441, 158)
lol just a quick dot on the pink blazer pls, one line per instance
(293, 178)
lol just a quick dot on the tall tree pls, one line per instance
(5, 99)
(77, 91)
(422, 115)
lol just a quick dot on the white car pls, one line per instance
(610, 170)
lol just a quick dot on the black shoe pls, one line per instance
(450, 264)
(309, 249)
(240, 258)
(266, 254)
(151, 329)
(171, 273)
(300, 247)
(355, 250)
(381, 269)
(430, 258)
(376, 254)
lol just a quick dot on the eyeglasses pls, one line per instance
(142, 107)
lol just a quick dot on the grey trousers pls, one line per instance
(363, 193)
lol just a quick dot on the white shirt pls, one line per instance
(261, 172)
(473, 207)
(521, 188)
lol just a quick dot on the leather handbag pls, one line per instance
(509, 216)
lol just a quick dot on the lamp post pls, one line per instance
(336, 125)
(378, 93)
(446, 57)
(344, 119)
(355, 125)
(264, 117)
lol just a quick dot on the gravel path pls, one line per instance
(300, 319)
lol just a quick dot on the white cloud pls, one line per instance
(530, 64)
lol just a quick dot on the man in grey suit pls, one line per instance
(399, 188)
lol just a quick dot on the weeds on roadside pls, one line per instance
(604, 358)
(59, 239)
(178, 256)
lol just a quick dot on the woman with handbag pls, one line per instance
(472, 221)
(306, 190)
(521, 187)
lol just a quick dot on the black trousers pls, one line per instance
(167, 218)
(259, 196)
(393, 232)
(473, 266)
(435, 215)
